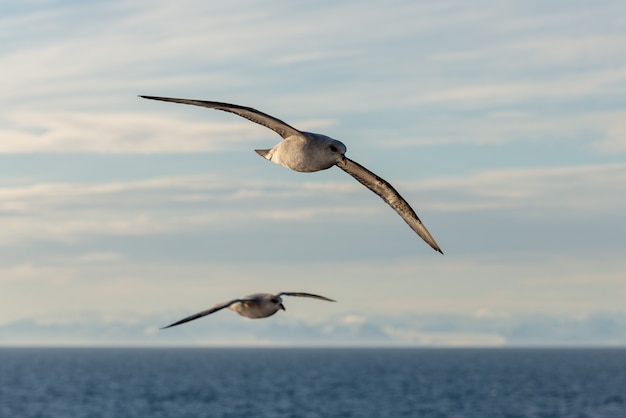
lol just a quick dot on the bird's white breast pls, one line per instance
(305, 153)
(254, 310)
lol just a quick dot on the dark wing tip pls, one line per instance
(154, 97)
(165, 99)
(182, 321)
(432, 244)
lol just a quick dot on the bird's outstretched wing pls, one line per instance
(281, 128)
(386, 191)
(306, 295)
(214, 308)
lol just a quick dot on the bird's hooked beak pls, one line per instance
(282, 306)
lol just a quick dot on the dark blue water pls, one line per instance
(312, 382)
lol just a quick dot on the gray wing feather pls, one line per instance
(306, 295)
(281, 128)
(386, 191)
(212, 309)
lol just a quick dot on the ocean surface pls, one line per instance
(176, 382)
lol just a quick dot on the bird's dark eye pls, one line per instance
(274, 300)
(333, 148)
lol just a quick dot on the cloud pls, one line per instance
(67, 212)
(614, 126)
(542, 50)
(600, 329)
(562, 88)
(133, 133)
(80, 72)
(541, 190)
(195, 44)
(32, 274)
(56, 132)
(447, 339)
(475, 300)
(353, 319)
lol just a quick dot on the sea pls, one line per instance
(312, 382)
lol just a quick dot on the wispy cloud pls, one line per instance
(55, 132)
(544, 50)
(67, 211)
(561, 88)
(614, 141)
(541, 190)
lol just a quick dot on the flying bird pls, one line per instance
(308, 152)
(258, 305)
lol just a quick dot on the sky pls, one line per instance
(502, 123)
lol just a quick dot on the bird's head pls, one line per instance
(337, 149)
(325, 150)
(278, 303)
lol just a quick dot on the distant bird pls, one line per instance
(258, 305)
(308, 152)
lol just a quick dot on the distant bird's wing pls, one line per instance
(386, 191)
(306, 295)
(281, 128)
(214, 308)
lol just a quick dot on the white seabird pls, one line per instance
(308, 152)
(258, 305)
